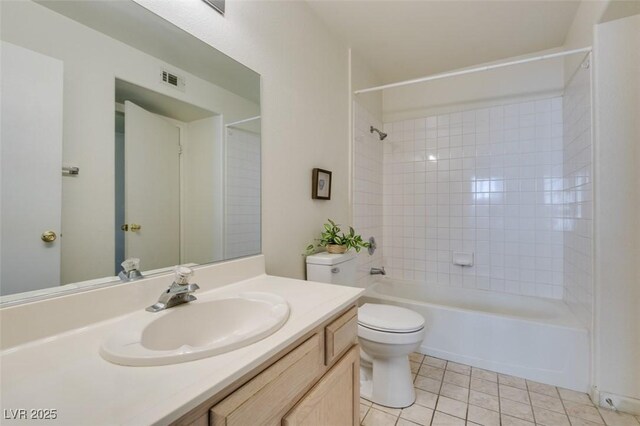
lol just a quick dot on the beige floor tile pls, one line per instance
(516, 382)
(575, 421)
(456, 379)
(442, 419)
(435, 362)
(417, 414)
(426, 399)
(432, 372)
(483, 416)
(569, 395)
(514, 394)
(365, 402)
(415, 366)
(427, 384)
(416, 357)
(479, 373)
(550, 418)
(546, 401)
(514, 421)
(379, 418)
(543, 389)
(614, 418)
(583, 411)
(458, 368)
(363, 411)
(516, 409)
(484, 386)
(392, 411)
(403, 422)
(484, 400)
(452, 406)
(455, 392)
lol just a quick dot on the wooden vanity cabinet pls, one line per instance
(315, 381)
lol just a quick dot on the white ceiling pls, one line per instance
(408, 39)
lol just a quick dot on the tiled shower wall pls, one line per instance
(242, 215)
(484, 181)
(367, 190)
(578, 241)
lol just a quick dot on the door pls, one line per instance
(152, 188)
(31, 169)
(334, 400)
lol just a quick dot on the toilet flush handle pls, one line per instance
(335, 270)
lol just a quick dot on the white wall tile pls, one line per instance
(242, 215)
(487, 181)
(578, 262)
(369, 170)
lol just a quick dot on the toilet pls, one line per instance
(387, 335)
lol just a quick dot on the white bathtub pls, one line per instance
(538, 339)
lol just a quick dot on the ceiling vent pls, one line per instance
(173, 80)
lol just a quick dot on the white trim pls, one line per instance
(474, 70)
(257, 117)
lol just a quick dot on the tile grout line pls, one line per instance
(499, 400)
(533, 413)
(433, 416)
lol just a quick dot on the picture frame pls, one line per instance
(321, 184)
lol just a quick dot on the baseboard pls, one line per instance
(620, 402)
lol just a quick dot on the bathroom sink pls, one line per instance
(196, 330)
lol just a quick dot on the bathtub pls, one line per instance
(538, 339)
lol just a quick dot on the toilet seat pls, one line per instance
(389, 319)
(389, 324)
(390, 338)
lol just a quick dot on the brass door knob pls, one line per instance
(135, 227)
(48, 236)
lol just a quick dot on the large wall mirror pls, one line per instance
(122, 136)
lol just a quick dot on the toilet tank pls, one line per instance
(332, 268)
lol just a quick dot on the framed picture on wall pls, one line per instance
(321, 184)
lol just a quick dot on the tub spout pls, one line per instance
(378, 271)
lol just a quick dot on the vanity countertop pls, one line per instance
(66, 373)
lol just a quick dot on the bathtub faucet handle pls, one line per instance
(378, 271)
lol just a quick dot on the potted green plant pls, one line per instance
(336, 241)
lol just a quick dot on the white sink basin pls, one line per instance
(196, 330)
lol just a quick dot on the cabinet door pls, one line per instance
(334, 400)
(267, 397)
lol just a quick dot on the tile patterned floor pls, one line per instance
(451, 394)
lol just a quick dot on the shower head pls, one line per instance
(381, 134)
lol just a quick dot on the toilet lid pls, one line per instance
(389, 318)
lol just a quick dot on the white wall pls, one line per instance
(578, 199)
(305, 104)
(484, 181)
(580, 33)
(617, 203)
(536, 80)
(202, 174)
(92, 61)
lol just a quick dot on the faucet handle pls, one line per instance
(183, 273)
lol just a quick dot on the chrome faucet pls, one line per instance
(178, 293)
(378, 271)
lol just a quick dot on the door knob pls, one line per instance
(48, 236)
(135, 227)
